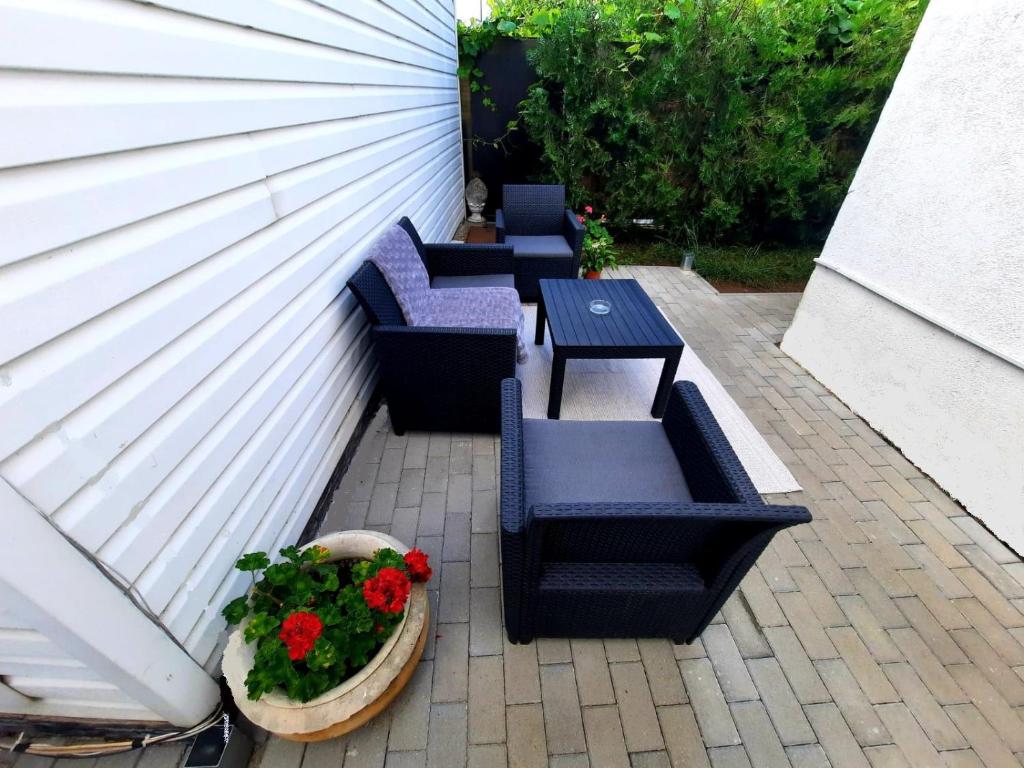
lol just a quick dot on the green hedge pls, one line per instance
(725, 120)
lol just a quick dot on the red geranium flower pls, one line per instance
(588, 208)
(580, 219)
(417, 565)
(387, 591)
(299, 633)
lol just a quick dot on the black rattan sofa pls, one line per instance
(444, 379)
(547, 238)
(625, 529)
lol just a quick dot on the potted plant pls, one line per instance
(328, 636)
(598, 245)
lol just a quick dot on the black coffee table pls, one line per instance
(634, 328)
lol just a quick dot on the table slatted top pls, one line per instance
(634, 320)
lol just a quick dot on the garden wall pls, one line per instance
(914, 315)
(185, 187)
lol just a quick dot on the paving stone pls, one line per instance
(461, 462)
(1004, 719)
(367, 746)
(593, 678)
(485, 512)
(390, 468)
(728, 664)
(605, 743)
(526, 745)
(621, 649)
(522, 676)
(942, 576)
(446, 746)
(487, 756)
(709, 703)
(963, 758)
(411, 712)
(759, 737)
(862, 666)
(404, 524)
(319, 754)
(908, 735)
(649, 760)
(431, 519)
(404, 760)
(981, 654)
(928, 667)
(451, 663)
(460, 493)
(456, 537)
(999, 575)
(382, 504)
(932, 718)
(941, 607)
(729, 757)
(992, 546)
(761, 601)
(783, 708)
(682, 737)
(802, 677)
(483, 569)
(569, 761)
(871, 632)
(995, 634)
(857, 710)
(982, 589)
(818, 598)
(808, 756)
(884, 608)
(486, 699)
(888, 756)
(636, 708)
(485, 621)
(935, 637)
(983, 739)
(835, 737)
(563, 720)
(553, 650)
(410, 488)
(805, 623)
(662, 672)
(454, 592)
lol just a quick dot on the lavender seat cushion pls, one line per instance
(396, 257)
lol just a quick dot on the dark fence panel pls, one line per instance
(509, 75)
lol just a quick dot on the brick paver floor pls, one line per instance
(888, 632)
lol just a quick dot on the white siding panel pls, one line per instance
(184, 189)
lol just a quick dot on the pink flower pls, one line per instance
(580, 219)
(588, 208)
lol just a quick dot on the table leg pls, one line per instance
(542, 318)
(668, 373)
(557, 379)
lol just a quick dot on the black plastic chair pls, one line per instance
(546, 236)
(625, 529)
(443, 379)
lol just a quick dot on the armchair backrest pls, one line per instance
(406, 224)
(374, 296)
(533, 209)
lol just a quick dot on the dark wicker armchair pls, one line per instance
(625, 529)
(547, 238)
(446, 379)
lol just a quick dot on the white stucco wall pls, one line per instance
(915, 313)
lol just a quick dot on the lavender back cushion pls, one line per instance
(396, 257)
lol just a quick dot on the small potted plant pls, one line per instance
(329, 635)
(598, 245)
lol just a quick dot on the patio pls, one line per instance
(883, 634)
(886, 633)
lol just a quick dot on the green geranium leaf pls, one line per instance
(254, 561)
(323, 654)
(236, 610)
(260, 625)
(281, 573)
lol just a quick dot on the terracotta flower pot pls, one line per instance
(362, 696)
(592, 274)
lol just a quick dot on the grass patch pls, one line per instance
(763, 268)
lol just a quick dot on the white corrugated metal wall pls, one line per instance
(185, 187)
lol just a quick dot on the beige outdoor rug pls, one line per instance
(623, 390)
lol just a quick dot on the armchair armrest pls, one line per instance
(499, 226)
(450, 259)
(712, 469)
(573, 233)
(722, 536)
(514, 566)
